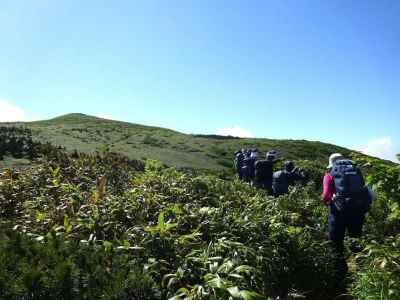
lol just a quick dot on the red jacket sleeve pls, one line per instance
(327, 192)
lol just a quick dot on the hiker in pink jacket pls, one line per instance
(344, 195)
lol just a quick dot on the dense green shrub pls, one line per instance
(379, 274)
(49, 267)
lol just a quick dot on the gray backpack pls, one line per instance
(280, 183)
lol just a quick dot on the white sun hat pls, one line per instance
(253, 154)
(333, 158)
(271, 155)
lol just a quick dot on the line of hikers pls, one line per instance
(345, 194)
(260, 172)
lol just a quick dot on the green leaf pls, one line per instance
(170, 226)
(248, 295)
(190, 237)
(161, 221)
(225, 267)
(237, 276)
(218, 283)
(166, 278)
(235, 292)
(40, 238)
(243, 269)
(107, 246)
(39, 216)
(67, 224)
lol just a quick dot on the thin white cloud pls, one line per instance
(235, 131)
(105, 116)
(12, 113)
(381, 147)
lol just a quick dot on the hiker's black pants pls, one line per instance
(240, 173)
(339, 221)
(265, 184)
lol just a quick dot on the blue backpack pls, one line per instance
(350, 186)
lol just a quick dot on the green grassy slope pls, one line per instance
(88, 134)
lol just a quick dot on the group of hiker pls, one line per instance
(260, 172)
(345, 193)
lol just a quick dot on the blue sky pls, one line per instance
(317, 70)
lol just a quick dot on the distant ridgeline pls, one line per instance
(216, 136)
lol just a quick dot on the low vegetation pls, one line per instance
(102, 226)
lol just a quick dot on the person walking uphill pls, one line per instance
(239, 158)
(248, 166)
(264, 170)
(347, 199)
(287, 177)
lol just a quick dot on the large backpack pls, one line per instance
(350, 186)
(248, 164)
(263, 170)
(239, 160)
(280, 183)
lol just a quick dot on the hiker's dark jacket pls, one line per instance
(263, 171)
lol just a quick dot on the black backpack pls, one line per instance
(263, 170)
(280, 183)
(239, 158)
(351, 192)
(249, 163)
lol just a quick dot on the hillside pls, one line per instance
(79, 226)
(88, 134)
